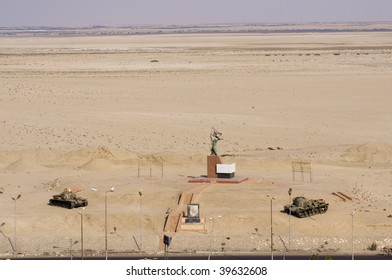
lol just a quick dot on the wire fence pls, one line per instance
(148, 169)
(203, 243)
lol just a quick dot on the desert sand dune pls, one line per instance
(135, 112)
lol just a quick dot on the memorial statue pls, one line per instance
(215, 137)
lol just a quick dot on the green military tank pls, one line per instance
(303, 207)
(68, 199)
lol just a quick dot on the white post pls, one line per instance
(141, 220)
(70, 248)
(212, 234)
(272, 242)
(81, 235)
(15, 199)
(290, 201)
(352, 234)
(106, 220)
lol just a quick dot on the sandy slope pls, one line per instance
(86, 111)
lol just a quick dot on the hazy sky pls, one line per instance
(128, 12)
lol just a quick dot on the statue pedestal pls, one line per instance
(198, 227)
(219, 173)
(212, 161)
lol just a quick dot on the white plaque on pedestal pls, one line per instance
(225, 168)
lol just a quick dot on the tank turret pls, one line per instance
(68, 199)
(303, 207)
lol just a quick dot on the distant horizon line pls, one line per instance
(222, 24)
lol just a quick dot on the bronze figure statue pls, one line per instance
(215, 136)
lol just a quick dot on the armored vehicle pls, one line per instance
(302, 207)
(68, 199)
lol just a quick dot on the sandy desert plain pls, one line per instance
(84, 112)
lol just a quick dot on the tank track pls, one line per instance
(63, 204)
(310, 212)
(66, 204)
